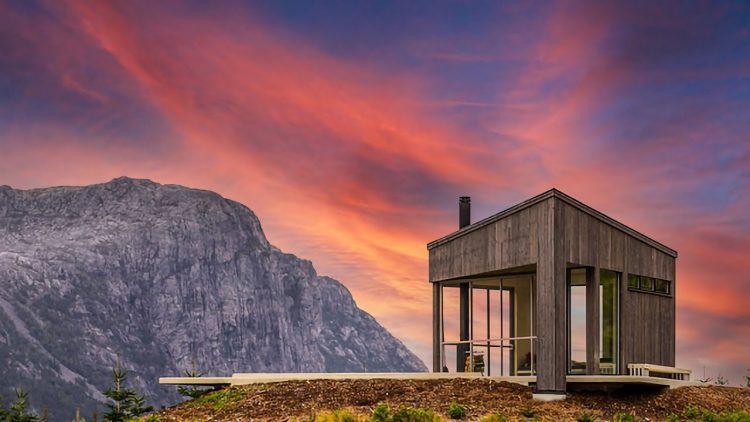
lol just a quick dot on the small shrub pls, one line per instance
(456, 411)
(623, 417)
(585, 417)
(528, 412)
(705, 415)
(673, 418)
(736, 416)
(341, 415)
(493, 417)
(381, 413)
(691, 413)
(411, 414)
(152, 418)
(192, 391)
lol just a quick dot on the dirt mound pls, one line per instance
(284, 400)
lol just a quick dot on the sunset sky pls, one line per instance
(351, 128)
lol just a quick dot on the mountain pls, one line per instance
(156, 276)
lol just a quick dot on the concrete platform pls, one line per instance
(244, 379)
(577, 380)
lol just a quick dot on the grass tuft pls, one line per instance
(218, 399)
(623, 417)
(341, 415)
(585, 417)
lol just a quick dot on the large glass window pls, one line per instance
(577, 321)
(609, 324)
(488, 326)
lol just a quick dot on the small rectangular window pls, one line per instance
(633, 281)
(662, 286)
(647, 283)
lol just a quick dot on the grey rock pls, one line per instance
(158, 276)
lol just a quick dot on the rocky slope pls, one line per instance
(159, 274)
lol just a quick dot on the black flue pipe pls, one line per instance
(464, 211)
(462, 351)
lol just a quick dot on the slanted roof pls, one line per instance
(554, 193)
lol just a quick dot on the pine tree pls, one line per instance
(3, 410)
(127, 403)
(17, 411)
(192, 391)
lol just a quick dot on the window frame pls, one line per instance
(652, 290)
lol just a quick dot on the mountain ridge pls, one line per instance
(159, 275)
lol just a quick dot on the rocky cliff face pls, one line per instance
(159, 274)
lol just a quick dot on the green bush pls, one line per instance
(692, 413)
(696, 414)
(585, 417)
(381, 413)
(623, 417)
(411, 414)
(528, 412)
(456, 411)
(340, 415)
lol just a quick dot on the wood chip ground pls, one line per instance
(299, 399)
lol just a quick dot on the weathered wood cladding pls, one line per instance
(592, 243)
(507, 243)
(553, 232)
(551, 304)
(647, 321)
(647, 324)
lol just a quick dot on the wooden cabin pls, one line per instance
(550, 288)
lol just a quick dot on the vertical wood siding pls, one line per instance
(647, 321)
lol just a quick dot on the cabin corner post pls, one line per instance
(464, 305)
(673, 325)
(592, 320)
(436, 328)
(550, 308)
(625, 323)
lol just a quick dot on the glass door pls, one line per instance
(609, 321)
(577, 321)
(518, 328)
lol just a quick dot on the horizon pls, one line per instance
(352, 130)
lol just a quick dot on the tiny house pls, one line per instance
(550, 288)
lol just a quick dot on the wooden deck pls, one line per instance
(593, 380)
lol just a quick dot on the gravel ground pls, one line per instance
(286, 400)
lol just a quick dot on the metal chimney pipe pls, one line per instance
(464, 211)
